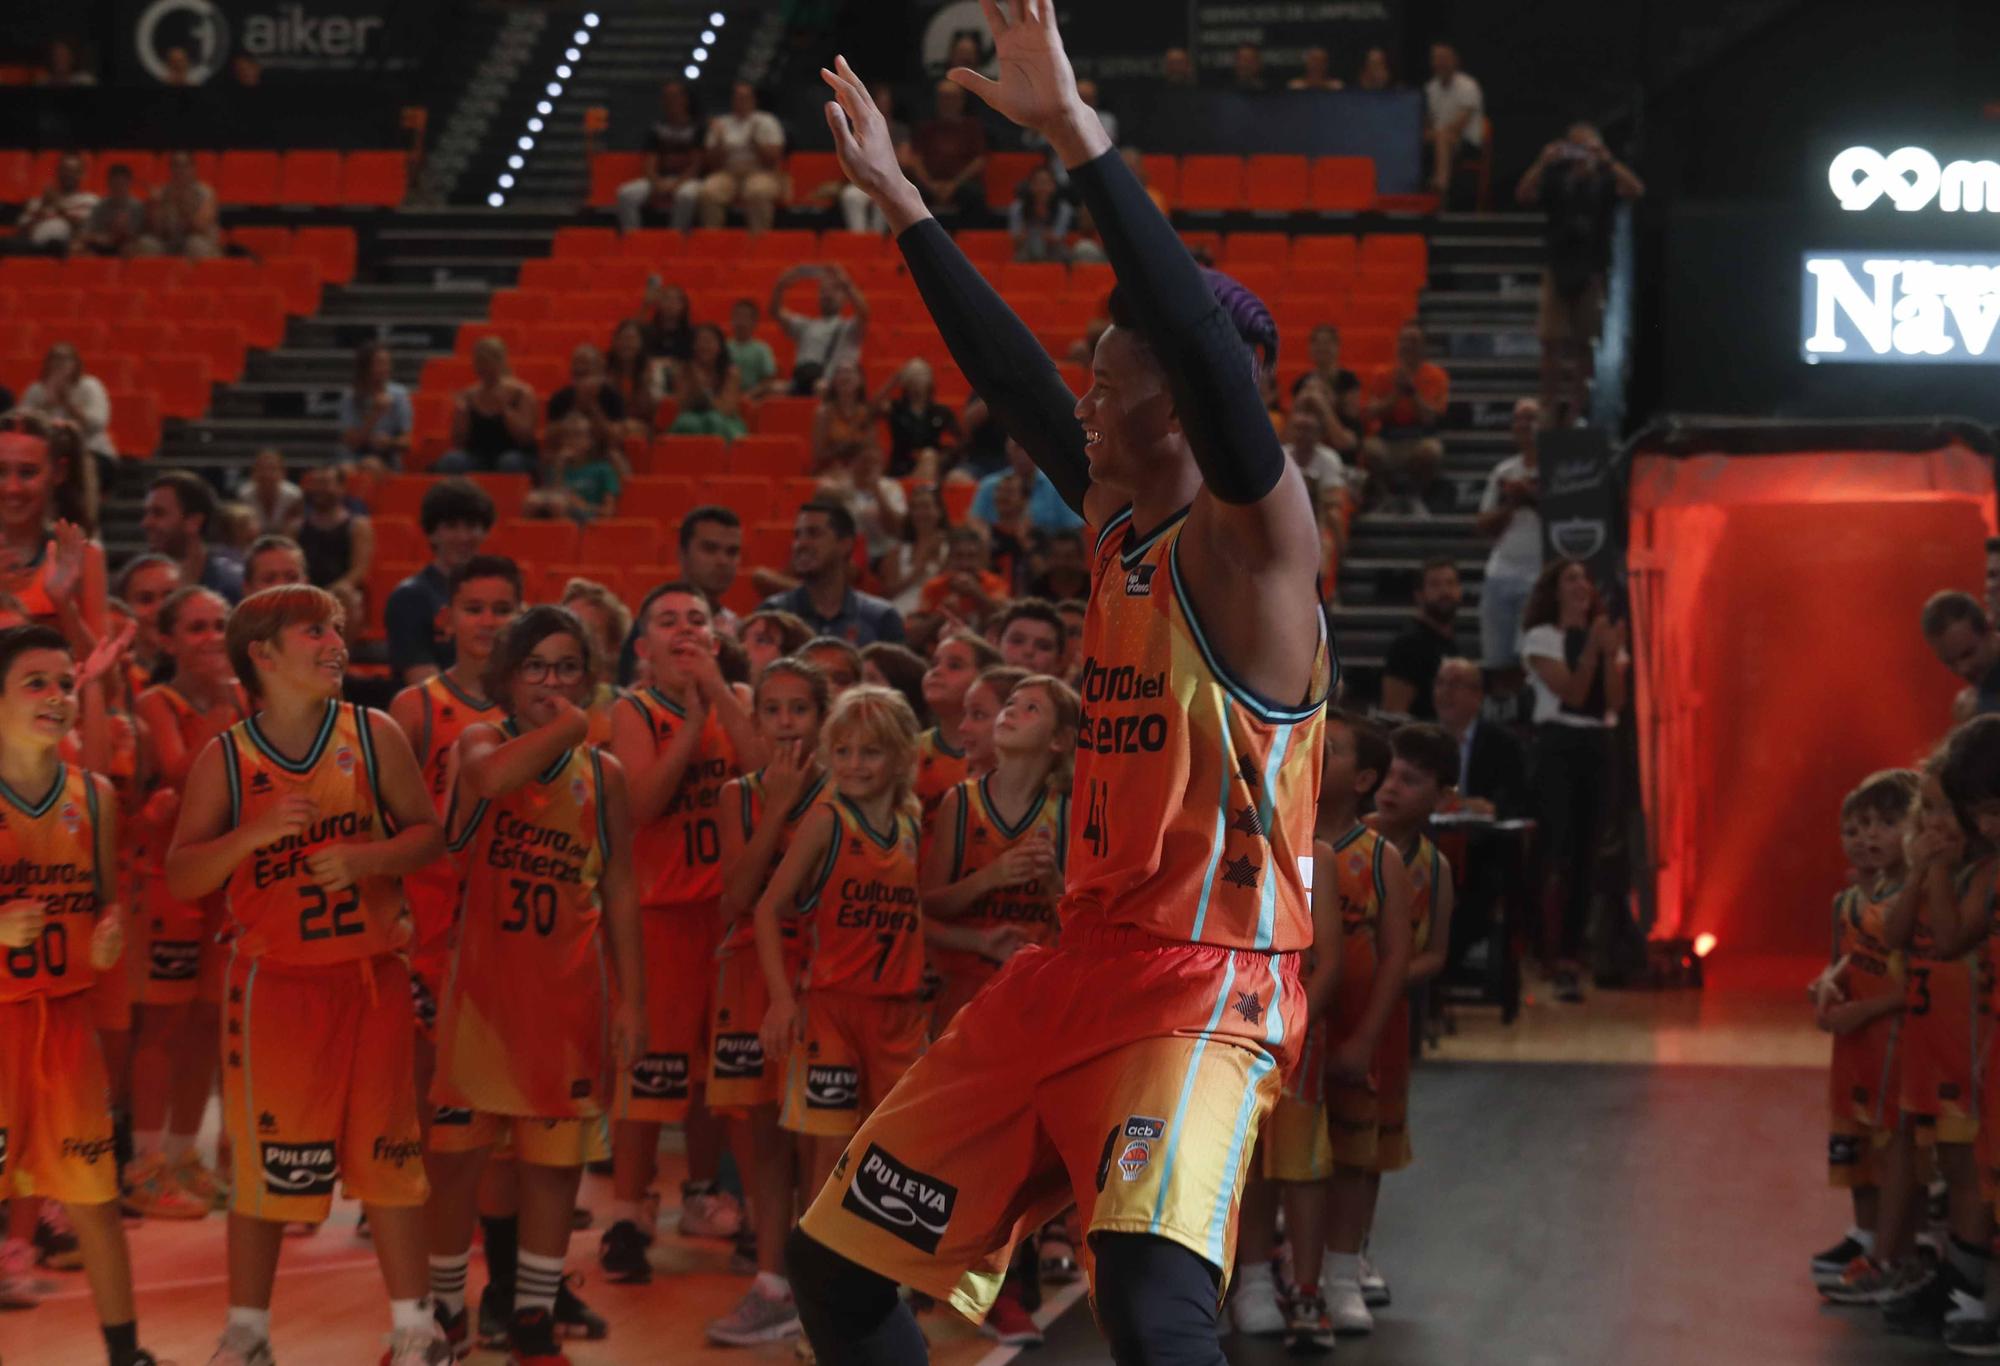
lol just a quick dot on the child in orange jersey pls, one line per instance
(307, 814)
(1859, 1000)
(541, 820)
(57, 931)
(679, 740)
(1321, 1136)
(609, 622)
(175, 945)
(983, 700)
(955, 666)
(769, 805)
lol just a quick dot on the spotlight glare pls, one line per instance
(715, 19)
(514, 162)
(1704, 944)
(708, 35)
(693, 72)
(495, 200)
(555, 90)
(580, 37)
(573, 55)
(545, 108)
(590, 21)
(562, 72)
(506, 182)
(534, 125)
(526, 144)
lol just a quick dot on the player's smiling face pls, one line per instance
(38, 703)
(1127, 412)
(861, 766)
(479, 613)
(196, 641)
(786, 709)
(678, 629)
(310, 658)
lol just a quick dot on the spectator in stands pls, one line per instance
(1318, 73)
(744, 153)
(493, 422)
(669, 324)
(1010, 532)
(118, 219)
(1247, 74)
(590, 396)
(1038, 219)
(857, 210)
(948, 156)
(822, 559)
(844, 415)
(180, 70)
(582, 473)
(633, 376)
(966, 587)
(707, 390)
(1045, 507)
(1577, 185)
(182, 220)
(56, 218)
(1341, 383)
(375, 415)
(920, 555)
(245, 72)
(675, 161)
(65, 393)
(1962, 636)
(276, 504)
(1374, 73)
(832, 338)
(1510, 516)
(338, 543)
(1404, 409)
(1410, 669)
(1492, 763)
(1577, 663)
(858, 477)
(921, 430)
(456, 514)
(179, 510)
(1062, 569)
(1031, 636)
(1177, 68)
(969, 52)
(1454, 115)
(983, 450)
(756, 366)
(1304, 438)
(63, 68)
(272, 561)
(711, 552)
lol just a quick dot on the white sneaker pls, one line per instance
(1347, 1307)
(1374, 1285)
(756, 1318)
(1253, 1304)
(241, 1347)
(418, 1347)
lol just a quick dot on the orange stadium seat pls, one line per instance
(117, 370)
(29, 271)
(1207, 244)
(694, 456)
(135, 423)
(375, 179)
(1342, 185)
(17, 184)
(509, 492)
(776, 249)
(399, 537)
(767, 544)
(222, 343)
(811, 172)
(1275, 184)
(532, 540)
(768, 457)
(445, 374)
(958, 500)
(148, 168)
(521, 306)
(1004, 173)
(115, 304)
(399, 496)
(1256, 248)
(546, 273)
(1163, 173)
(620, 540)
(1212, 183)
(985, 244)
(248, 178)
(87, 272)
(784, 416)
(155, 272)
(609, 170)
(650, 244)
(1320, 280)
(1402, 256)
(582, 242)
(181, 384)
(260, 242)
(333, 248)
(1324, 249)
(51, 303)
(662, 497)
(751, 498)
(147, 336)
(298, 279)
(853, 248)
(310, 177)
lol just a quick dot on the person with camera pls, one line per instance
(1577, 184)
(832, 338)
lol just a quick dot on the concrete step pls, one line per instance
(398, 331)
(321, 366)
(502, 243)
(451, 271)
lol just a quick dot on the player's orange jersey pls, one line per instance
(195, 732)
(448, 711)
(530, 932)
(1429, 870)
(680, 854)
(742, 933)
(940, 768)
(282, 913)
(598, 714)
(48, 850)
(980, 836)
(1195, 797)
(1873, 969)
(1360, 892)
(867, 914)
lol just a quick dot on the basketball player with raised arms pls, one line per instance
(1126, 1067)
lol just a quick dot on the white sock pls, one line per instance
(1863, 1237)
(1343, 1266)
(176, 1146)
(536, 1281)
(628, 1211)
(411, 1316)
(146, 1143)
(254, 1321)
(448, 1281)
(1247, 1272)
(772, 1286)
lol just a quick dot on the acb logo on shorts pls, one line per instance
(299, 1168)
(739, 1055)
(832, 1088)
(1141, 1133)
(912, 1206)
(660, 1076)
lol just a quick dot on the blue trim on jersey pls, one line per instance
(1225, 1192)
(884, 842)
(1267, 909)
(1135, 552)
(603, 812)
(1117, 518)
(37, 809)
(231, 761)
(1263, 708)
(806, 903)
(1179, 1120)
(313, 755)
(1012, 832)
(1215, 845)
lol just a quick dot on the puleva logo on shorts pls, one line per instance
(912, 1206)
(660, 1076)
(1141, 1134)
(175, 960)
(739, 1055)
(832, 1088)
(299, 1168)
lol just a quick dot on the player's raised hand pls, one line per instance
(1037, 88)
(861, 138)
(21, 921)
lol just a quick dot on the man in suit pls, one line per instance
(1492, 781)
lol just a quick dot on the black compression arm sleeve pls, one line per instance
(1000, 356)
(1208, 367)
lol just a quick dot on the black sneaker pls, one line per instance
(454, 1327)
(1973, 1337)
(1919, 1311)
(575, 1319)
(622, 1254)
(1569, 988)
(743, 1257)
(496, 1308)
(1828, 1265)
(532, 1337)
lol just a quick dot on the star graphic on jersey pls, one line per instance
(854, 847)
(1241, 872)
(1249, 1007)
(1248, 772)
(236, 1026)
(235, 993)
(260, 781)
(722, 1016)
(449, 714)
(267, 1123)
(235, 1059)
(1249, 822)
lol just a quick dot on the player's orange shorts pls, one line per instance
(1939, 1040)
(55, 1108)
(166, 938)
(1296, 1143)
(740, 1078)
(564, 1142)
(319, 1084)
(963, 974)
(1863, 1086)
(1388, 1095)
(1140, 1105)
(679, 946)
(852, 1049)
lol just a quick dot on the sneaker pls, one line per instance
(575, 1319)
(622, 1254)
(1568, 988)
(1828, 1266)
(1374, 1285)
(1253, 1306)
(1864, 1281)
(154, 1192)
(1009, 1324)
(496, 1311)
(55, 1239)
(18, 1289)
(456, 1328)
(1978, 1337)
(418, 1347)
(199, 1182)
(533, 1334)
(710, 1214)
(1347, 1307)
(1917, 1307)
(241, 1347)
(756, 1318)
(1057, 1256)
(1309, 1329)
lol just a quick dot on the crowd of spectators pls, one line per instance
(178, 218)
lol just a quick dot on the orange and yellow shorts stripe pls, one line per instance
(567, 1141)
(55, 1109)
(1140, 1105)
